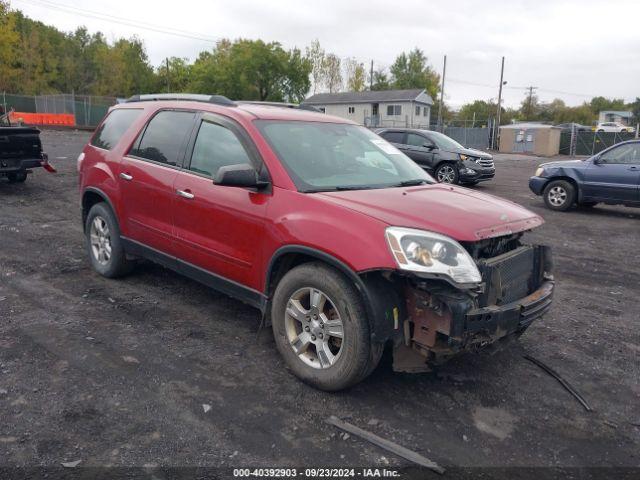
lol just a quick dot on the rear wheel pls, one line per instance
(559, 195)
(18, 177)
(104, 245)
(446, 173)
(321, 328)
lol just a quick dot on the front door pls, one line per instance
(420, 149)
(218, 228)
(146, 177)
(615, 174)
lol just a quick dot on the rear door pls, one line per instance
(616, 176)
(218, 228)
(146, 178)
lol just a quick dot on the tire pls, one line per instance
(306, 353)
(18, 177)
(559, 195)
(112, 263)
(447, 172)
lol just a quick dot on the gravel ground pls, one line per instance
(116, 372)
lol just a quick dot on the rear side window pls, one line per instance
(165, 136)
(114, 126)
(393, 137)
(215, 147)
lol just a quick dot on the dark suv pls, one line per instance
(441, 156)
(342, 242)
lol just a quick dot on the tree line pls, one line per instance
(36, 58)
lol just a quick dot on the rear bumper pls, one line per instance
(537, 184)
(13, 165)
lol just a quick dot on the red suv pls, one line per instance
(342, 242)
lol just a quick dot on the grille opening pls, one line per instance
(492, 247)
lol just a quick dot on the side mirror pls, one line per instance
(597, 161)
(429, 146)
(240, 175)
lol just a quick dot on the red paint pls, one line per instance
(234, 232)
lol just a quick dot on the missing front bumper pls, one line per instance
(442, 323)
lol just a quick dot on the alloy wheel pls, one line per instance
(446, 174)
(314, 328)
(557, 196)
(100, 240)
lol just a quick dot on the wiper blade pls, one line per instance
(414, 182)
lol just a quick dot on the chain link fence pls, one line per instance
(88, 110)
(580, 143)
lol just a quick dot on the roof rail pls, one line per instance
(191, 97)
(301, 106)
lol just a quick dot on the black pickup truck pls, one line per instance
(20, 151)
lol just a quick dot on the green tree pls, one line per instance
(355, 75)
(178, 76)
(332, 73)
(380, 80)
(634, 107)
(413, 71)
(315, 54)
(9, 39)
(599, 104)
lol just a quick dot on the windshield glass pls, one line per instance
(332, 156)
(443, 142)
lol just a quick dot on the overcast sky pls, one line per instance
(569, 49)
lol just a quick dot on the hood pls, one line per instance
(458, 212)
(472, 152)
(565, 164)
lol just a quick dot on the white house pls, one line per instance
(615, 116)
(383, 108)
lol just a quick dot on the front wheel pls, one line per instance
(446, 173)
(321, 328)
(559, 195)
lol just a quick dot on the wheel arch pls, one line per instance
(90, 197)
(381, 300)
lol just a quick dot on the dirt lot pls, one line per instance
(117, 372)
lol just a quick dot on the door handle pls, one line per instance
(185, 194)
(634, 168)
(126, 176)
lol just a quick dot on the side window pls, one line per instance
(393, 137)
(164, 137)
(216, 147)
(625, 154)
(416, 140)
(114, 126)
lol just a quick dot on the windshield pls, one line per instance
(443, 142)
(332, 156)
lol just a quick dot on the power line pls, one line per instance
(118, 20)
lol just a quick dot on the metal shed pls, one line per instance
(536, 138)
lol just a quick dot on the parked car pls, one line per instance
(612, 177)
(569, 127)
(613, 127)
(342, 242)
(441, 156)
(20, 151)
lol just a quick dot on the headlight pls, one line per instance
(420, 251)
(539, 171)
(463, 157)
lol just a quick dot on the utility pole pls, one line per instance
(168, 86)
(530, 102)
(497, 126)
(371, 77)
(444, 72)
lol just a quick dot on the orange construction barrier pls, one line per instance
(64, 119)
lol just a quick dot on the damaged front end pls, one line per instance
(440, 319)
